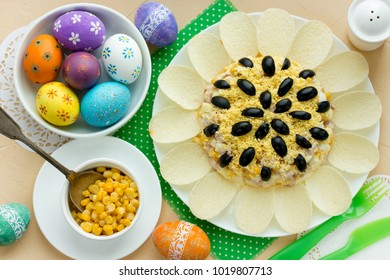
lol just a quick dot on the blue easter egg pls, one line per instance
(156, 23)
(14, 221)
(105, 104)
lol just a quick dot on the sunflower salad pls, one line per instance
(266, 119)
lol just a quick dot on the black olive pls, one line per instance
(300, 115)
(265, 173)
(300, 162)
(246, 86)
(285, 86)
(253, 112)
(225, 159)
(302, 141)
(323, 107)
(280, 126)
(210, 129)
(268, 65)
(279, 146)
(220, 102)
(286, 64)
(283, 105)
(241, 128)
(221, 84)
(246, 62)
(319, 133)
(262, 131)
(265, 99)
(307, 93)
(307, 73)
(247, 156)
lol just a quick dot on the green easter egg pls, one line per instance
(14, 220)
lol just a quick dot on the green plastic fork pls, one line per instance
(363, 201)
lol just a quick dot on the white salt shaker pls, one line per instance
(369, 23)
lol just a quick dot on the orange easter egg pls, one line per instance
(42, 59)
(180, 240)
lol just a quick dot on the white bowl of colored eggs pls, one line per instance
(82, 70)
(111, 207)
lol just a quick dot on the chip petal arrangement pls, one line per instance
(280, 45)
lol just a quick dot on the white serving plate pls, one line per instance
(225, 219)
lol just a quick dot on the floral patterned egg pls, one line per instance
(14, 221)
(181, 240)
(156, 23)
(42, 59)
(79, 31)
(122, 58)
(57, 104)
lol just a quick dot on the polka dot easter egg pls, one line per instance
(122, 58)
(42, 59)
(156, 23)
(14, 221)
(181, 240)
(79, 31)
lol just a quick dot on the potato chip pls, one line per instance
(211, 195)
(275, 32)
(185, 164)
(174, 124)
(254, 209)
(356, 110)
(311, 44)
(207, 55)
(182, 85)
(293, 208)
(329, 190)
(342, 71)
(238, 35)
(353, 153)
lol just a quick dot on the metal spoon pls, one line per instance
(79, 181)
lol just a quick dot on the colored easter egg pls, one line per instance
(57, 104)
(79, 31)
(122, 58)
(81, 70)
(181, 240)
(156, 23)
(105, 104)
(42, 59)
(14, 221)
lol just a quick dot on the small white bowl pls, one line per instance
(114, 22)
(110, 163)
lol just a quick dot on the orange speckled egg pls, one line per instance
(42, 59)
(180, 240)
(57, 104)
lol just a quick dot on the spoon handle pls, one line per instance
(10, 129)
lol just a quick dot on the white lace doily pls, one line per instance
(9, 101)
(337, 238)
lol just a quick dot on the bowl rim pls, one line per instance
(88, 164)
(147, 64)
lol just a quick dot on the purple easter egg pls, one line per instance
(79, 31)
(81, 70)
(156, 23)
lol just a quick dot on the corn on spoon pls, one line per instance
(79, 181)
(361, 238)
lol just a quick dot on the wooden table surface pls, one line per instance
(14, 158)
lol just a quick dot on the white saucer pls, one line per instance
(47, 195)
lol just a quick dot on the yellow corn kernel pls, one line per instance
(120, 227)
(108, 174)
(100, 194)
(100, 169)
(133, 185)
(125, 222)
(103, 215)
(108, 229)
(125, 202)
(108, 187)
(130, 216)
(99, 207)
(114, 225)
(97, 229)
(116, 176)
(102, 223)
(119, 190)
(125, 184)
(129, 191)
(93, 197)
(109, 220)
(134, 202)
(106, 200)
(118, 204)
(86, 193)
(110, 207)
(114, 197)
(115, 170)
(86, 226)
(74, 214)
(93, 188)
(90, 206)
(84, 202)
(130, 208)
(94, 216)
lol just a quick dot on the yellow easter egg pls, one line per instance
(181, 240)
(57, 104)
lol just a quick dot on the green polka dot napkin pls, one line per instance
(224, 244)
